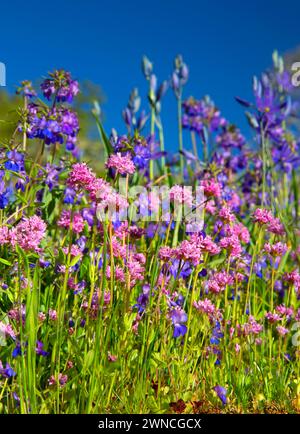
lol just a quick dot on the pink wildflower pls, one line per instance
(273, 317)
(28, 233)
(181, 195)
(52, 314)
(62, 379)
(119, 273)
(77, 221)
(210, 207)
(238, 230)
(252, 327)
(74, 250)
(80, 176)
(166, 253)
(219, 281)
(262, 216)
(226, 215)
(4, 235)
(187, 251)
(232, 244)
(276, 227)
(205, 306)
(286, 311)
(211, 187)
(277, 249)
(282, 330)
(122, 163)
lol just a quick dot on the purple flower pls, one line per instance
(221, 392)
(26, 89)
(61, 85)
(15, 161)
(216, 334)
(143, 299)
(7, 372)
(178, 317)
(39, 349)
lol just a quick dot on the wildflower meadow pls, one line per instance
(160, 282)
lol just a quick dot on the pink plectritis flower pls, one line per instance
(80, 176)
(74, 220)
(265, 217)
(181, 195)
(123, 164)
(28, 233)
(211, 188)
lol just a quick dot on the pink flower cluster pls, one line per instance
(282, 330)
(265, 217)
(123, 164)
(27, 234)
(206, 306)
(118, 273)
(77, 222)
(190, 250)
(81, 177)
(226, 215)
(285, 311)
(293, 278)
(273, 317)
(219, 281)
(277, 249)
(238, 230)
(252, 327)
(136, 269)
(232, 245)
(211, 187)
(181, 195)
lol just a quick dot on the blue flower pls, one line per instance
(7, 372)
(178, 317)
(216, 334)
(39, 349)
(17, 350)
(221, 392)
(15, 161)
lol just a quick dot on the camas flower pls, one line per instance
(61, 85)
(178, 317)
(221, 392)
(55, 125)
(7, 372)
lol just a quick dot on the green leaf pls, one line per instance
(4, 261)
(107, 145)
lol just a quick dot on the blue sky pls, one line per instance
(224, 43)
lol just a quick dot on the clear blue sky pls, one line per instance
(223, 42)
